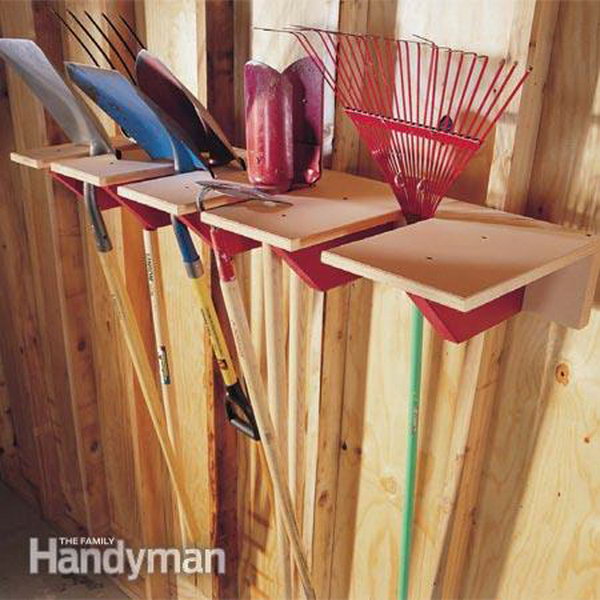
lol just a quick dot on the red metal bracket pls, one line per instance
(232, 243)
(105, 200)
(308, 266)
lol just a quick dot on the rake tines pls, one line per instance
(423, 110)
(101, 35)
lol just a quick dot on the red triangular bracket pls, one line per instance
(457, 326)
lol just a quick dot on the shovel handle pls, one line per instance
(235, 399)
(101, 236)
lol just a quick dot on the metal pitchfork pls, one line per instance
(237, 406)
(149, 236)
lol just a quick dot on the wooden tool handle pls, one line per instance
(141, 363)
(243, 340)
(276, 390)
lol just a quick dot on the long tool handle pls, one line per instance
(271, 445)
(276, 390)
(238, 408)
(312, 407)
(157, 304)
(295, 405)
(414, 401)
(141, 364)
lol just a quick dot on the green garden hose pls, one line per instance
(416, 351)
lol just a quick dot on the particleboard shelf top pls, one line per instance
(41, 158)
(107, 169)
(177, 194)
(339, 204)
(466, 255)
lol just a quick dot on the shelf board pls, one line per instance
(177, 194)
(41, 158)
(466, 255)
(338, 205)
(107, 169)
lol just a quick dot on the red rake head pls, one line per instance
(422, 110)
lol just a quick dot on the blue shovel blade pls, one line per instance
(126, 105)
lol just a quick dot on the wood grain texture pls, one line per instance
(531, 29)
(548, 394)
(524, 523)
(346, 204)
(107, 170)
(177, 194)
(33, 200)
(40, 158)
(277, 386)
(479, 254)
(175, 31)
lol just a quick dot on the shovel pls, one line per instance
(160, 84)
(145, 122)
(80, 125)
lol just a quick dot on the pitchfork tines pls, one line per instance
(121, 34)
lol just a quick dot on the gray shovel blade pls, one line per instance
(73, 116)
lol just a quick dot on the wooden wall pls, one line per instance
(74, 435)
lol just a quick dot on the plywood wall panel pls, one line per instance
(549, 390)
(525, 525)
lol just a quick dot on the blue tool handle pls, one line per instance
(189, 256)
(184, 241)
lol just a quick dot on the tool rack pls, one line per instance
(467, 269)
(299, 226)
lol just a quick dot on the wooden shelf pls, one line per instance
(299, 225)
(107, 169)
(40, 158)
(177, 194)
(468, 256)
(338, 205)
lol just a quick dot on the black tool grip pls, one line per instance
(236, 401)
